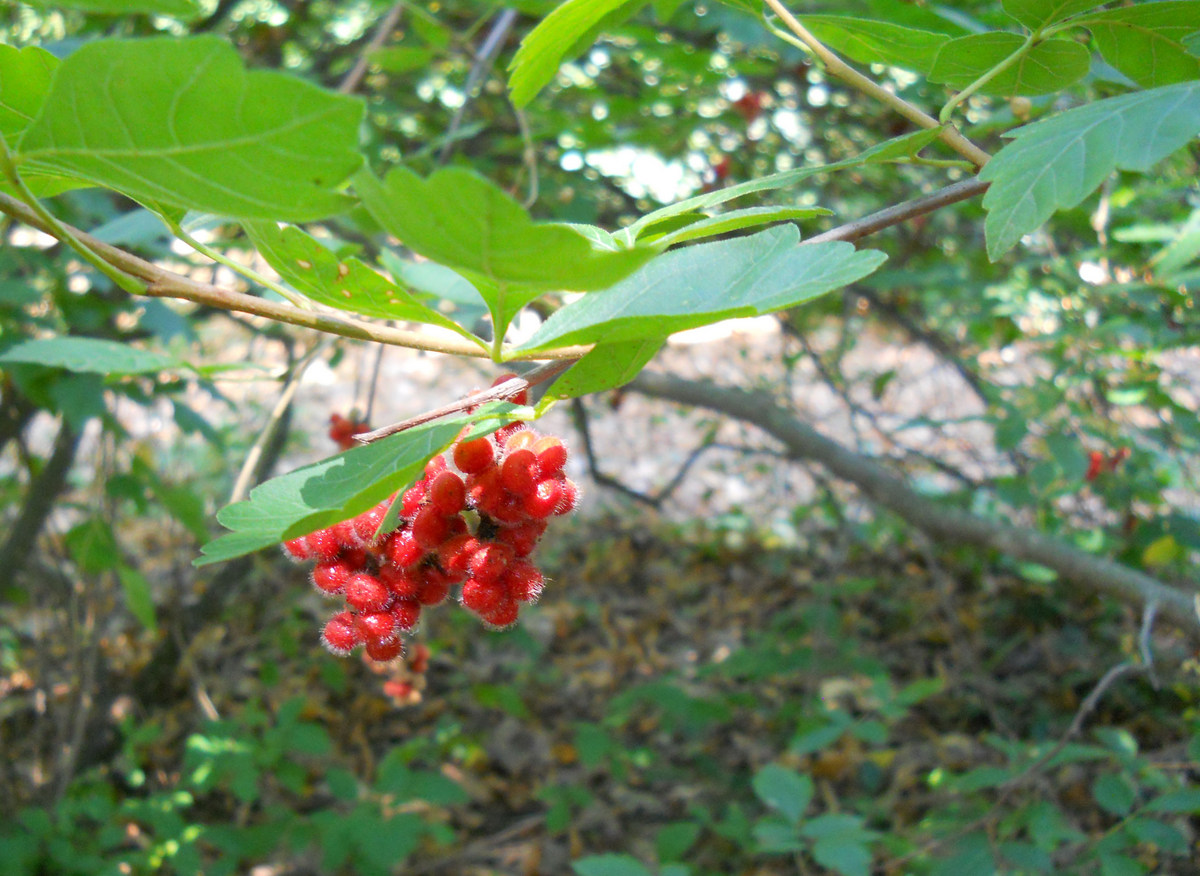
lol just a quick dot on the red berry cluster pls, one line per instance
(343, 430)
(512, 481)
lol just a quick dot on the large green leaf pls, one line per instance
(1039, 13)
(1145, 41)
(346, 284)
(877, 42)
(1057, 162)
(180, 122)
(543, 50)
(88, 356)
(1047, 67)
(607, 366)
(25, 76)
(184, 9)
(463, 221)
(705, 283)
(334, 489)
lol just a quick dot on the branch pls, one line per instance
(940, 522)
(350, 84)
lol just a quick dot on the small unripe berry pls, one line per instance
(488, 563)
(448, 493)
(406, 613)
(367, 593)
(331, 578)
(480, 597)
(519, 473)
(377, 626)
(382, 652)
(341, 635)
(472, 457)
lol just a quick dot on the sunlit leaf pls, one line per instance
(877, 42)
(1144, 41)
(88, 356)
(1047, 67)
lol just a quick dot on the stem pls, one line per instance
(965, 94)
(247, 272)
(58, 229)
(839, 68)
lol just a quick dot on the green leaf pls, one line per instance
(784, 790)
(843, 855)
(1112, 864)
(439, 282)
(346, 284)
(610, 865)
(877, 42)
(408, 784)
(25, 76)
(182, 9)
(332, 490)
(1039, 13)
(735, 220)
(1166, 837)
(93, 546)
(88, 356)
(673, 840)
(606, 366)
(708, 282)
(1113, 794)
(1183, 800)
(1145, 41)
(1045, 68)
(465, 222)
(179, 121)
(402, 59)
(1057, 162)
(543, 50)
(137, 596)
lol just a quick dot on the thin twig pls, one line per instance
(350, 84)
(483, 63)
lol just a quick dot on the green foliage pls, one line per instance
(1044, 68)
(877, 42)
(88, 356)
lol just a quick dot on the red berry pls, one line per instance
(331, 578)
(430, 528)
(551, 455)
(454, 554)
(341, 634)
(520, 440)
(398, 690)
(413, 497)
(377, 626)
(297, 550)
(448, 493)
(522, 537)
(367, 523)
(401, 583)
(402, 550)
(523, 582)
(544, 499)
(435, 587)
(367, 593)
(434, 467)
(355, 558)
(406, 613)
(419, 661)
(519, 473)
(488, 563)
(508, 509)
(323, 545)
(503, 615)
(382, 652)
(345, 534)
(472, 457)
(481, 597)
(502, 434)
(485, 490)
(570, 497)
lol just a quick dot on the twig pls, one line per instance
(483, 63)
(350, 84)
(951, 194)
(505, 390)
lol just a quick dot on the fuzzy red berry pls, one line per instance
(522, 537)
(406, 613)
(382, 652)
(484, 490)
(545, 498)
(481, 597)
(402, 550)
(454, 554)
(448, 493)
(570, 497)
(331, 578)
(430, 528)
(522, 581)
(472, 457)
(411, 501)
(401, 583)
(551, 455)
(368, 523)
(519, 398)
(435, 586)
(521, 440)
(377, 626)
(341, 635)
(324, 545)
(297, 550)
(519, 473)
(488, 563)
(367, 593)
(434, 467)
(503, 615)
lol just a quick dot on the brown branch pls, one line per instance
(885, 218)
(941, 522)
(350, 84)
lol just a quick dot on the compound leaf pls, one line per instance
(180, 122)
(1057, 162)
